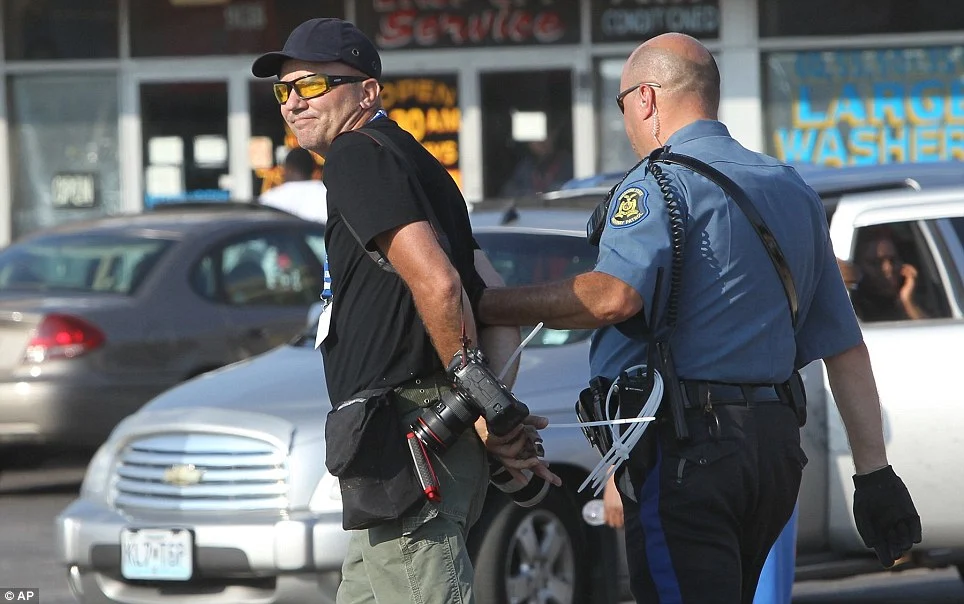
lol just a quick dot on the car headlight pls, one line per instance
(327, 495)
(97, 477)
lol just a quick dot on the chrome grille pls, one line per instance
(202, 472)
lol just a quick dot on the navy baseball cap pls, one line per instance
(322, 41)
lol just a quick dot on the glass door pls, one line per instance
(526, 131)
(185, 149)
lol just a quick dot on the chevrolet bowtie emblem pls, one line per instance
(182, 475)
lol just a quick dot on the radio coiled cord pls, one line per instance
(677, 228)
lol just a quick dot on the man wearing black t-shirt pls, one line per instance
(397, 330)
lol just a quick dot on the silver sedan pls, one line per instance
(96, 318)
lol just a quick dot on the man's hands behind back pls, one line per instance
(520, 449)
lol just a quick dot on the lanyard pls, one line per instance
(326, 294)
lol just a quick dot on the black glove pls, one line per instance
(885, 514)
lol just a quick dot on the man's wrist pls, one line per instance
(868, 470)
(861, 469)
(885, 475)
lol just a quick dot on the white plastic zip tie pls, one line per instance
(603, 422)
(623, 444)
(518, 350)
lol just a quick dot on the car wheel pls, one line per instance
(529, 555)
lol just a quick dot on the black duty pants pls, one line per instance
(709, 510)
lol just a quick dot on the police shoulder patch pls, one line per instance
(630, 208)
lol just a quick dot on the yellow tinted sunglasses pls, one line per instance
(312, 85)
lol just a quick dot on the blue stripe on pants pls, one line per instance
(657, 551)
(776, 579)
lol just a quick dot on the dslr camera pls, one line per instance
(477, 393)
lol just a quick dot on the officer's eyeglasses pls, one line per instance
(312, 85)
(622, 95)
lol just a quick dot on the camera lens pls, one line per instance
(439, 426)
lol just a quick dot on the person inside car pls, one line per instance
(888, 287)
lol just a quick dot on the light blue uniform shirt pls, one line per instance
(734, 321)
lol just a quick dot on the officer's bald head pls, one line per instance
(683, 67)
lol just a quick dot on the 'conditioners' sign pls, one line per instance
(428, 108)
(399, 24)
(867, 106)
(637, 20)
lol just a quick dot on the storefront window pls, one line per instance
(853, 17)
(60, 29)
(527, 132)
(165, 28)
(64, 158)
(185, 131)
(854, 107)
(428, 108)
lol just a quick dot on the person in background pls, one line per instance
(544, 167)
(887, 288)
(300, 194)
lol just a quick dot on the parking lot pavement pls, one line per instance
(30, 500)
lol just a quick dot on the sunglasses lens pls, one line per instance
(312, 86)
(281, 92)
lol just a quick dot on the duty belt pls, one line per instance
(421, 392)
(699, 394)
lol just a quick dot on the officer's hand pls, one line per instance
(885, 514)
(520, 449)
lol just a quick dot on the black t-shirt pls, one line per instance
(377, 337)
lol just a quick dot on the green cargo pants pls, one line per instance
(422, 558)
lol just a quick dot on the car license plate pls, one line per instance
(157, 554)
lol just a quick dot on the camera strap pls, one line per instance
(421, 461)
(373, 252)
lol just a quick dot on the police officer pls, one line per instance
(397, 330)
(707, 509)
